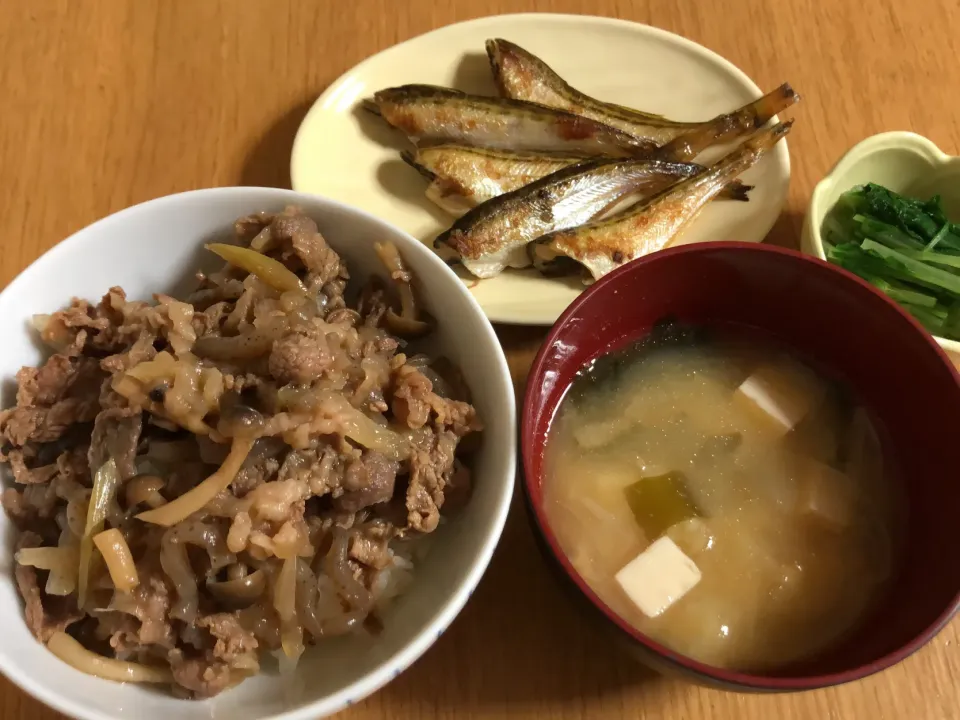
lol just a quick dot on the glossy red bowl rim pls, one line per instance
(730, 678)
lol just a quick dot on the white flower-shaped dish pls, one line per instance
(904, 162)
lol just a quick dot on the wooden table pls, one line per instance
(109, 103)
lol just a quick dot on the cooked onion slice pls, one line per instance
(240, 592)
(62, 562)
(193, 500)
(62, 578)
(77, 656)
(285, 603)
(406, 324)
(116, 554)
(105, 483)
(327, 412)
(272, 272)
(145, 489)
(246, 346)
(46, 558)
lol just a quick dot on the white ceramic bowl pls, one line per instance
(901, 161)
(156, 246)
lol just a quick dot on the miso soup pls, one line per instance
(722, 497)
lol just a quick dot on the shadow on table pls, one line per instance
(268, 164)
(520, 640)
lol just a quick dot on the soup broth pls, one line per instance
(722, 497)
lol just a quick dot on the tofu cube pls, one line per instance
(780, 395)
(658, 577)
(827, 495)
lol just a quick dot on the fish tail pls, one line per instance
(770, 104)
(766, 139)
(756, 114)
(749, 151)
(736, 190)
(726, 127)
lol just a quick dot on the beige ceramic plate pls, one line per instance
(347, 154)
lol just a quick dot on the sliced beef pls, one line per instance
(457, 491)
(373, 303)
(201, 677)
(29, 476)
(45, 614)
(300, 356)
(122, 629)
(431, 464)
(414, 403)
(234, 645)
(208, 321)
(368, 481)
(253, 474)
(116, 435)
(41, 498)
(319, 466)
(214, 289)
(72, 466)
(370, 548)
(21, 425)
(279, 501)
(249, 226)
(150, 603)
(322, 263)
(49, 382)
(77, 325)
(142, 350)
(411, 397)
(16, 509)
(232, 655)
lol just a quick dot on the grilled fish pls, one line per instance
(521, 75)
(648, 226)
(431, 115)
(494, 235)
(730, 126)
(463, 177)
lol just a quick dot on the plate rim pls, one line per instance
(298, 157)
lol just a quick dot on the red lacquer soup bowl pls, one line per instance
(836, 322)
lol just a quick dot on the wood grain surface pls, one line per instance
(109, 103)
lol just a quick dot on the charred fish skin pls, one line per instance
(462, 177)
(651, 224)
(521, 75)
(430, 115)
(494, 235)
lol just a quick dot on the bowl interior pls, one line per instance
(904, 167)
(153, 248)
(836, 322)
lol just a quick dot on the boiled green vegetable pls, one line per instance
(906, 248)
